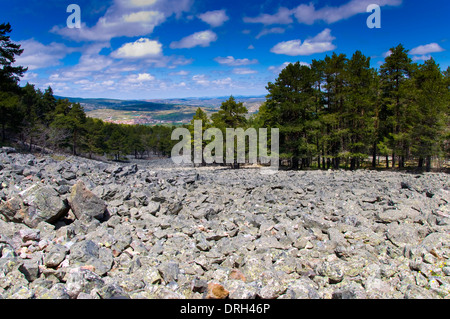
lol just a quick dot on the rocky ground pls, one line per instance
(74, 228)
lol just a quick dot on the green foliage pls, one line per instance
(340, 109)
(230, 115)
(9, 74)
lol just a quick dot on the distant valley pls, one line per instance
(157, 111)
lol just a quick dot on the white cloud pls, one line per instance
(283, 16)
(140, 78)
(426, 49)
(28, 76)
(108, 83)
(270, 31)
(142, 48)
(421, 57)
(139, 3)
(386, 54)
(223, 82)
(127, 18)
(278, 69)
(244, 71)
(308, 14)
(143, 16)
(177, 61)
(180, 73)
(200, 79)
(92, 63)
(214, 18)
(202, 39)
(229, 60)
(320, 43)
(37, 55)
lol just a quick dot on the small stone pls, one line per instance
(216, 291)
(236, 274)
(169, 271)
(199, 285)
(446, 271)
(55, 256)
(82, 280)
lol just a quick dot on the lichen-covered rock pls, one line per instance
(85, 204)
(34, 205)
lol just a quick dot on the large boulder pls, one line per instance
(34, 205)
(85, 204)
(87, 253)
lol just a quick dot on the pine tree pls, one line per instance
(231, 115)
(335, 94)
(10, 113)
(9, 74)
(397, 110)
(430, 99)
(291, 107)
(197, 148)
(69, 118)
(360, 107)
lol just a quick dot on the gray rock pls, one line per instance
(350, 291)
(169, 271)
(34, 205)
(80, 280)
(55, 255)
(85, 204)
(241, 290)
(303, 288)
(57, 291)
(402, 234)
(332, 270)
(87, 253)
(30, 269)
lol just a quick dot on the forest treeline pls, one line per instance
(336, 112)
(37, 119)
(340, 112)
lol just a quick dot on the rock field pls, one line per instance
(76, 228)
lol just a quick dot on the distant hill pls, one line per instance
(121, 105)
(163, 104)
(156, 111)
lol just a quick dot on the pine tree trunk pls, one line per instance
(294, 162)
(75, 143)
(420, 162)
(374, 156)
(428, 164)
(353, 164)
(3, 131)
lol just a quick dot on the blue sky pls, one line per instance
(147, 49)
